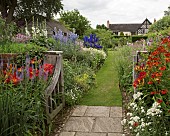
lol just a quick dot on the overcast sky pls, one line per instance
(118, 11)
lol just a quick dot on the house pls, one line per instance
(130, 29)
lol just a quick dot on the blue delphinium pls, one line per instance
(64, 37)
(92, 41)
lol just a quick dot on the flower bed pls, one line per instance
(22, 103)
(149, 109)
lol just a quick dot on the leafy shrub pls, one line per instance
(161, 24)
(104, 36)
(20, 48)
(123, 62)
(138, 37)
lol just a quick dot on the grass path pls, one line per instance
(106, 92)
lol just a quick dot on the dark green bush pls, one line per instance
(138, 37)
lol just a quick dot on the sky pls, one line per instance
(118, 11)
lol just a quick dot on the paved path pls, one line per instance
(94, 121)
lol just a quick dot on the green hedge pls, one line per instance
(138, 37)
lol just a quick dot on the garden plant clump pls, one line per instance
(22, 96)
(149, 110)
(80, 65)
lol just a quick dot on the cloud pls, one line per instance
(118, 11)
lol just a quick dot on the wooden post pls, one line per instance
(52, 108)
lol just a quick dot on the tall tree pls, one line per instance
(101, 27)
(75, 20)
(28, 8)
(167, 13)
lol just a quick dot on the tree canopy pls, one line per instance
(101, 27)
(75, 20)
(161, 24)
(105, 36)
(28, 8)
(167, 13)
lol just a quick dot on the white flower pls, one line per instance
(136, 118)
(143, 111)
(166, 133)
(129, 114)
(95, 51)
(143, 124)
(154, 110)
(27, 32)
(132, 104)
(123, 122)
(131, 122)
(137, 95)
(137, 134)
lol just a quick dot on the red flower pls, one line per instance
(135, 83)
(150, 83)
(32, 61)
(159, 101)
(48, 68)
(13, 79)
(167, 60)
(142, 75)
(167, 54)
(165, 40)
(135, 124)
(163, 92)
(154, 53)
(162, 68)
(153, 93)
(161, 49)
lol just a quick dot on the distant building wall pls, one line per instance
(125, 33)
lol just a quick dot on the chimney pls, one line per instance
(108, 23)
(154, 20)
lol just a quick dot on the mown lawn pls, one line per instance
(106, 92)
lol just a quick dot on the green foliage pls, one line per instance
(121, 34)
(138, 37)
(27, 8)
(167, 13)
(106, 91)
(79, 70)
(78, 79)
(101, 27)
(22, 110)
(161, 33)
(161, 24)
(7, 30)
(123, 65)
(22, 104)
(75, 20)
(20, 48)
(104, 35)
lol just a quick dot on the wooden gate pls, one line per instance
(54, 94)
(136, 59)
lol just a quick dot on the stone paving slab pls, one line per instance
(97, 111)
(79, 111)
(115, 134)
(94, 121)
(81, 124)
(116, 112)
(90, 134)
(108, 125)
(67, 134)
